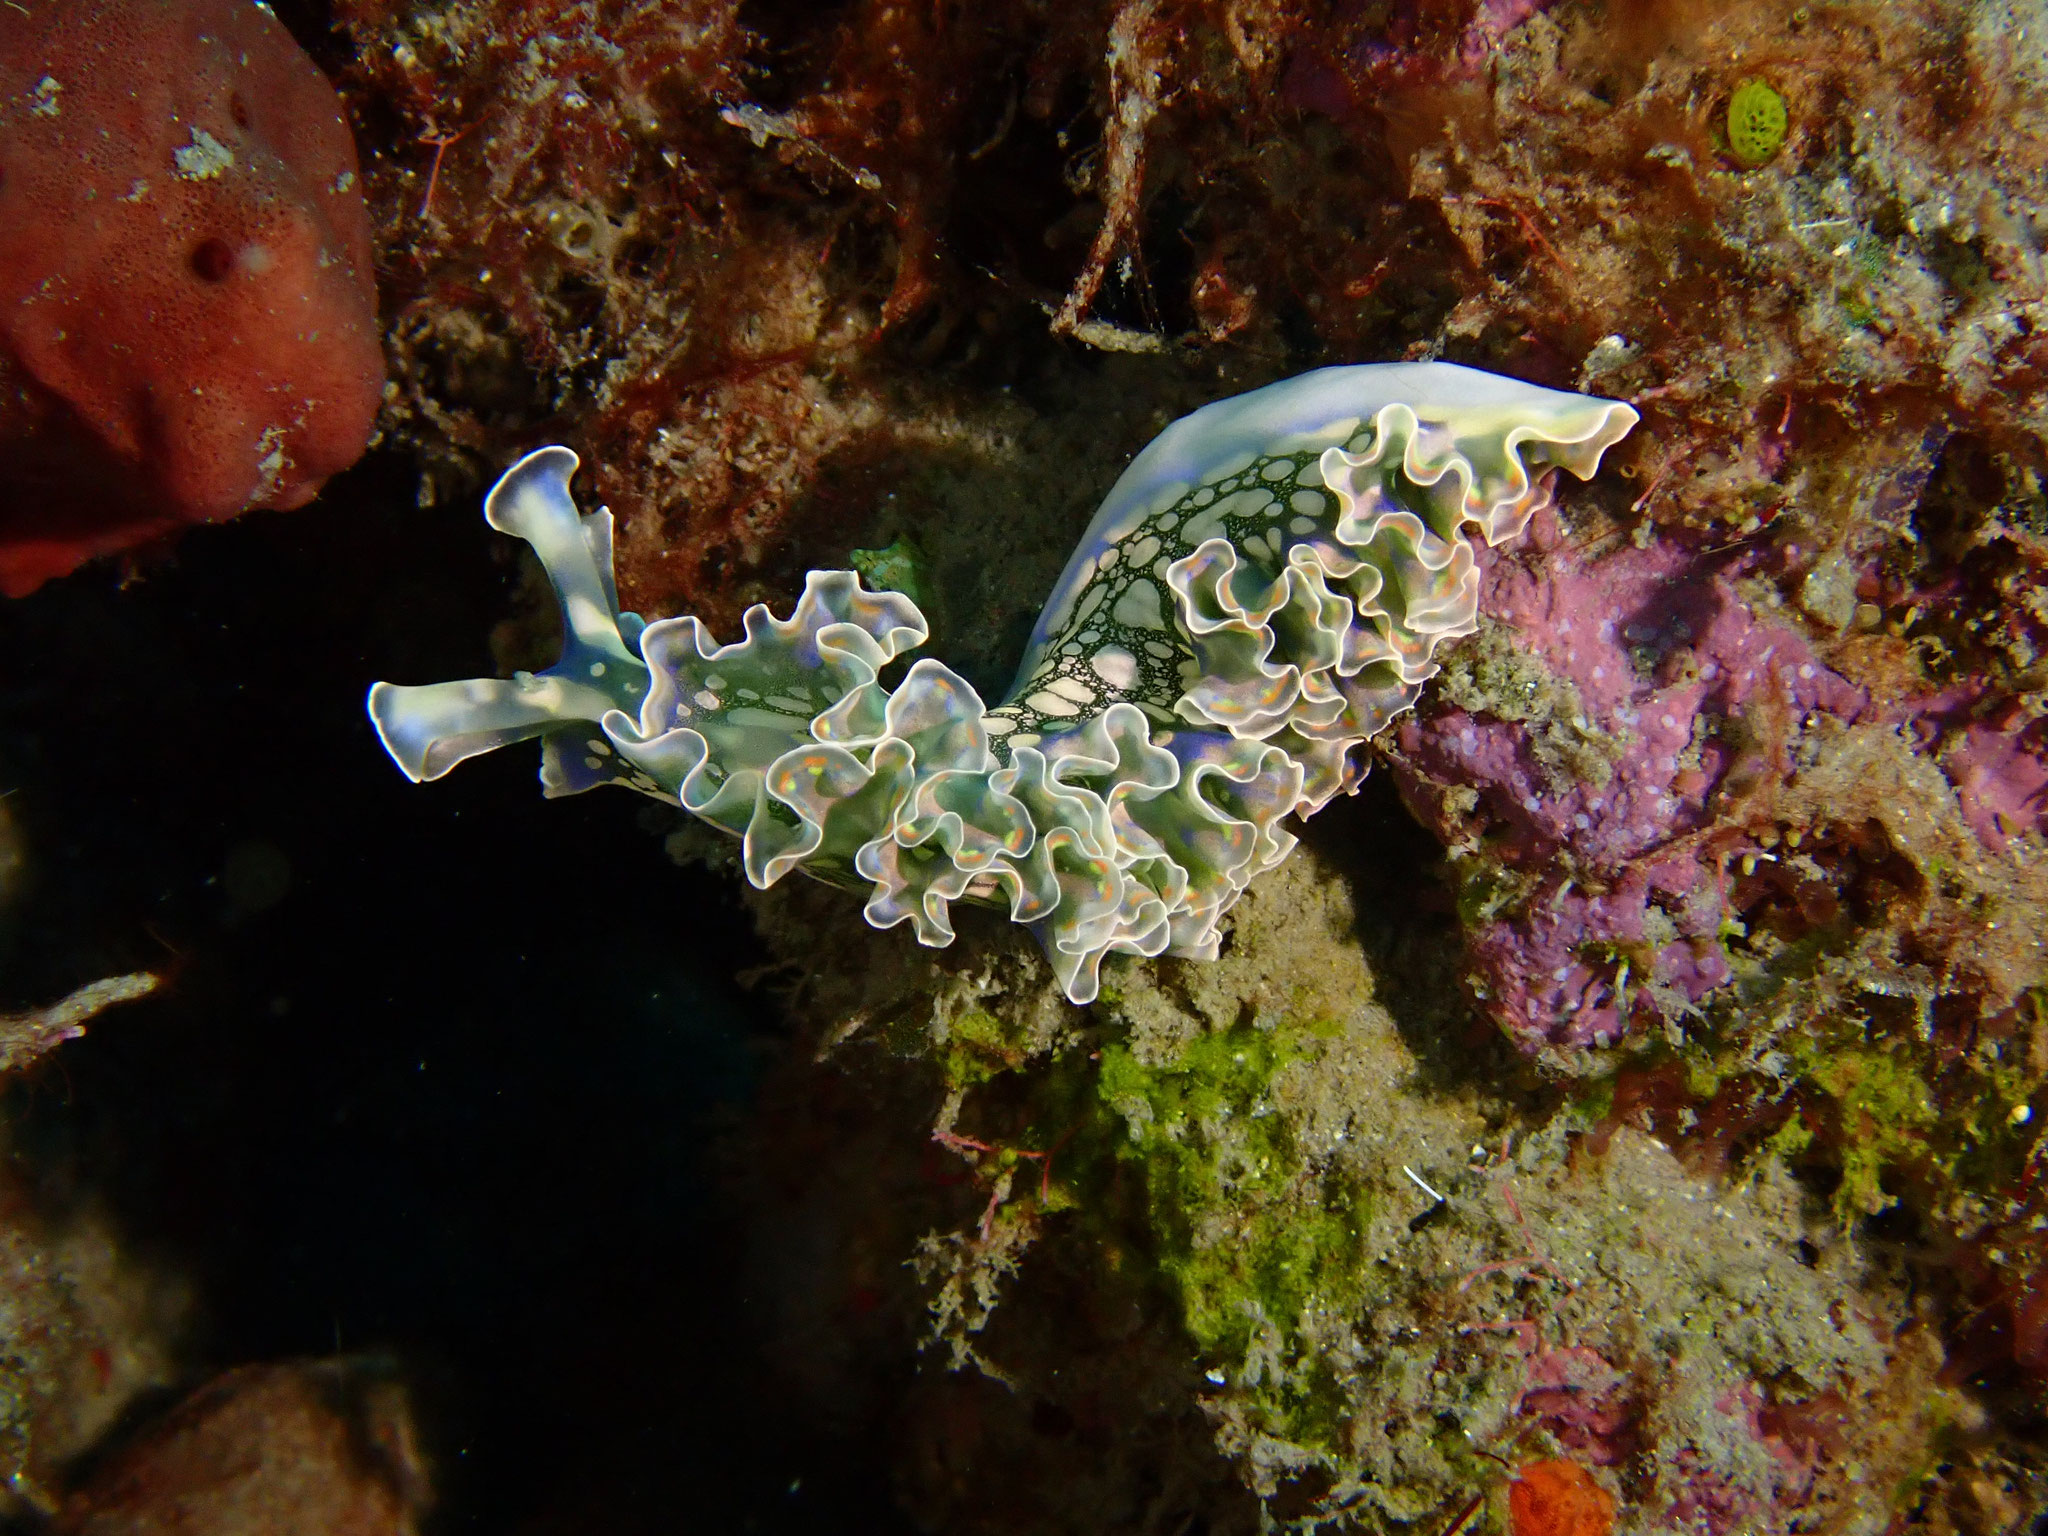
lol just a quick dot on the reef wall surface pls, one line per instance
(1645, 1075)
(1736, 797)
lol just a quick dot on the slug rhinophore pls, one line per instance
(1261, 592)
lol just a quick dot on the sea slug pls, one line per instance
(1259, 595)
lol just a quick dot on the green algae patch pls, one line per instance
(1886, 1111)
(979, 1046)
(1257, 1239)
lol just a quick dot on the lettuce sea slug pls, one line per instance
(1261, 593)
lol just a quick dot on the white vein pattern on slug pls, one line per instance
(1262, 591)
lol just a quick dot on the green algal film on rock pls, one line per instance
(1254, 1236)
(1262, 591)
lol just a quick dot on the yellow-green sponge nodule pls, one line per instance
(1756, 122)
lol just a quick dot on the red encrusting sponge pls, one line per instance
(188, 320)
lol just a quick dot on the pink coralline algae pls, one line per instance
(1623, 903)
(1606, 769)
(1411, 46)
(1582, 1400)
(1780, 1474)
(188, 323)
(1489, 27)
(2000, 771)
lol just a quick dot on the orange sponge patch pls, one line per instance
(1559, 1498)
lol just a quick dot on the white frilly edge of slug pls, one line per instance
(1328, 407)
(1113, 836)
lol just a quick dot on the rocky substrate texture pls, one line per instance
(1668, 1106)
(1406, 1275)
(1727, 926)
(312, 1448)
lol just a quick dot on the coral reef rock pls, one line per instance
(322, 1448)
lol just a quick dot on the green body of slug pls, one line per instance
(1261, 592)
